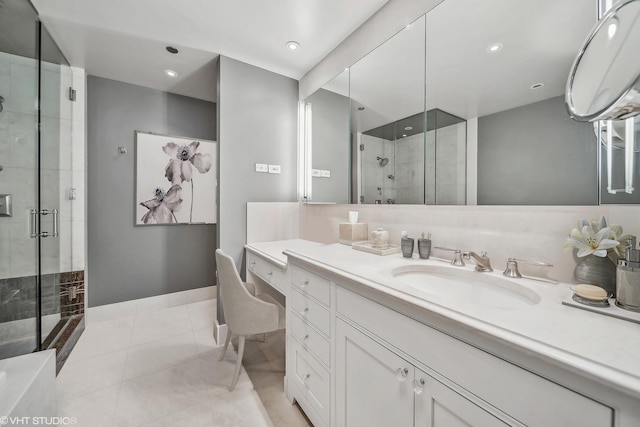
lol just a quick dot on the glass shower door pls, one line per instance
(19, 263)
(61, 294)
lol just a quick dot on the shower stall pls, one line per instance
(41, 290)
(420, 159)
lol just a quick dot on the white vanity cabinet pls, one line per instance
(310, 317)
(464, 381)
(353, 361)
(436, 405)
(376, 387)
(273, 274)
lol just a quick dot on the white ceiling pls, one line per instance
(125, 39)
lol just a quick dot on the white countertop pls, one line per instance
(604, 348)
(274, 251)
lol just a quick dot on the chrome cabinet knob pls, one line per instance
(401, 374)
(418, 386)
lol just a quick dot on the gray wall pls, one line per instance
(258, 123)
(330, 149)
(127, 262)
(536, 155)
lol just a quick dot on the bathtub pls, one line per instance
(29, 388)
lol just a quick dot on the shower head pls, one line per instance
(383, 161)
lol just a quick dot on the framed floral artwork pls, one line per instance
(176, 180)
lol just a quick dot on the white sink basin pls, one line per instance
(466, 286)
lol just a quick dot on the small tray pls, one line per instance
(613, 310)
(367, 247)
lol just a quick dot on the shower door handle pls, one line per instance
(34, 223)
(56, 222)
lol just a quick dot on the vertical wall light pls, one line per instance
(305, 144)
(609, 134)
(629, 145)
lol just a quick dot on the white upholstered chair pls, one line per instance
(244, 313)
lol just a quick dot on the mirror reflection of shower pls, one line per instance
(383, 161)
(400, 162)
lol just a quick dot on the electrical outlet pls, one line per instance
(274, 168)
(262, 167)
(72, 194)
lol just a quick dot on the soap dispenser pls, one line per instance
(406, 243)
(628, 278)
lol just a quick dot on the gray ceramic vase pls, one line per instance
(595, 270)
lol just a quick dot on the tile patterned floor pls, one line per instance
(161, 368)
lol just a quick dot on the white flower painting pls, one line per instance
(175, 180)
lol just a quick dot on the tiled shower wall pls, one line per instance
(18, 143)
(61, 293)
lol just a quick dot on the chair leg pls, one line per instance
(238, 362)
(226, 344)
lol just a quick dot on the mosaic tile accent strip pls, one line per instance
(61, 293)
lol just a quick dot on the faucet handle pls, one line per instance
(512, 266)
(457, 255)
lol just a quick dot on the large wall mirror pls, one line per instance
(489, 127)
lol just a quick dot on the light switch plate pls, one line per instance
(274, 168)
(72, 193)
(6, 208)
(262, 167)
(316, 173)
(325, 174)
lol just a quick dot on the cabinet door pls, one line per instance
(373, 384)
(439, 406)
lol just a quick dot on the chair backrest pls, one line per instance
(244, 313)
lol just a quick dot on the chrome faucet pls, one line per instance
(512, 266)
(483, 263)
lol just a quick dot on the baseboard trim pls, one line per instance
(220, 333)
(144, 305)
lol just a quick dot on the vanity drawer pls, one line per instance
(311, 284)
(270, 273)
(311, 311)
(311, 339)
(313, 382)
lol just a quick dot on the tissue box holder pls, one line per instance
(350, 233)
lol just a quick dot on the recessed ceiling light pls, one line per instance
(171, 49)
(171, 73)
(404, 135)
(536, 86)
(293, 45)
(493, 48)
(409, 128)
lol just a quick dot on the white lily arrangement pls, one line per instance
(596, 238)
